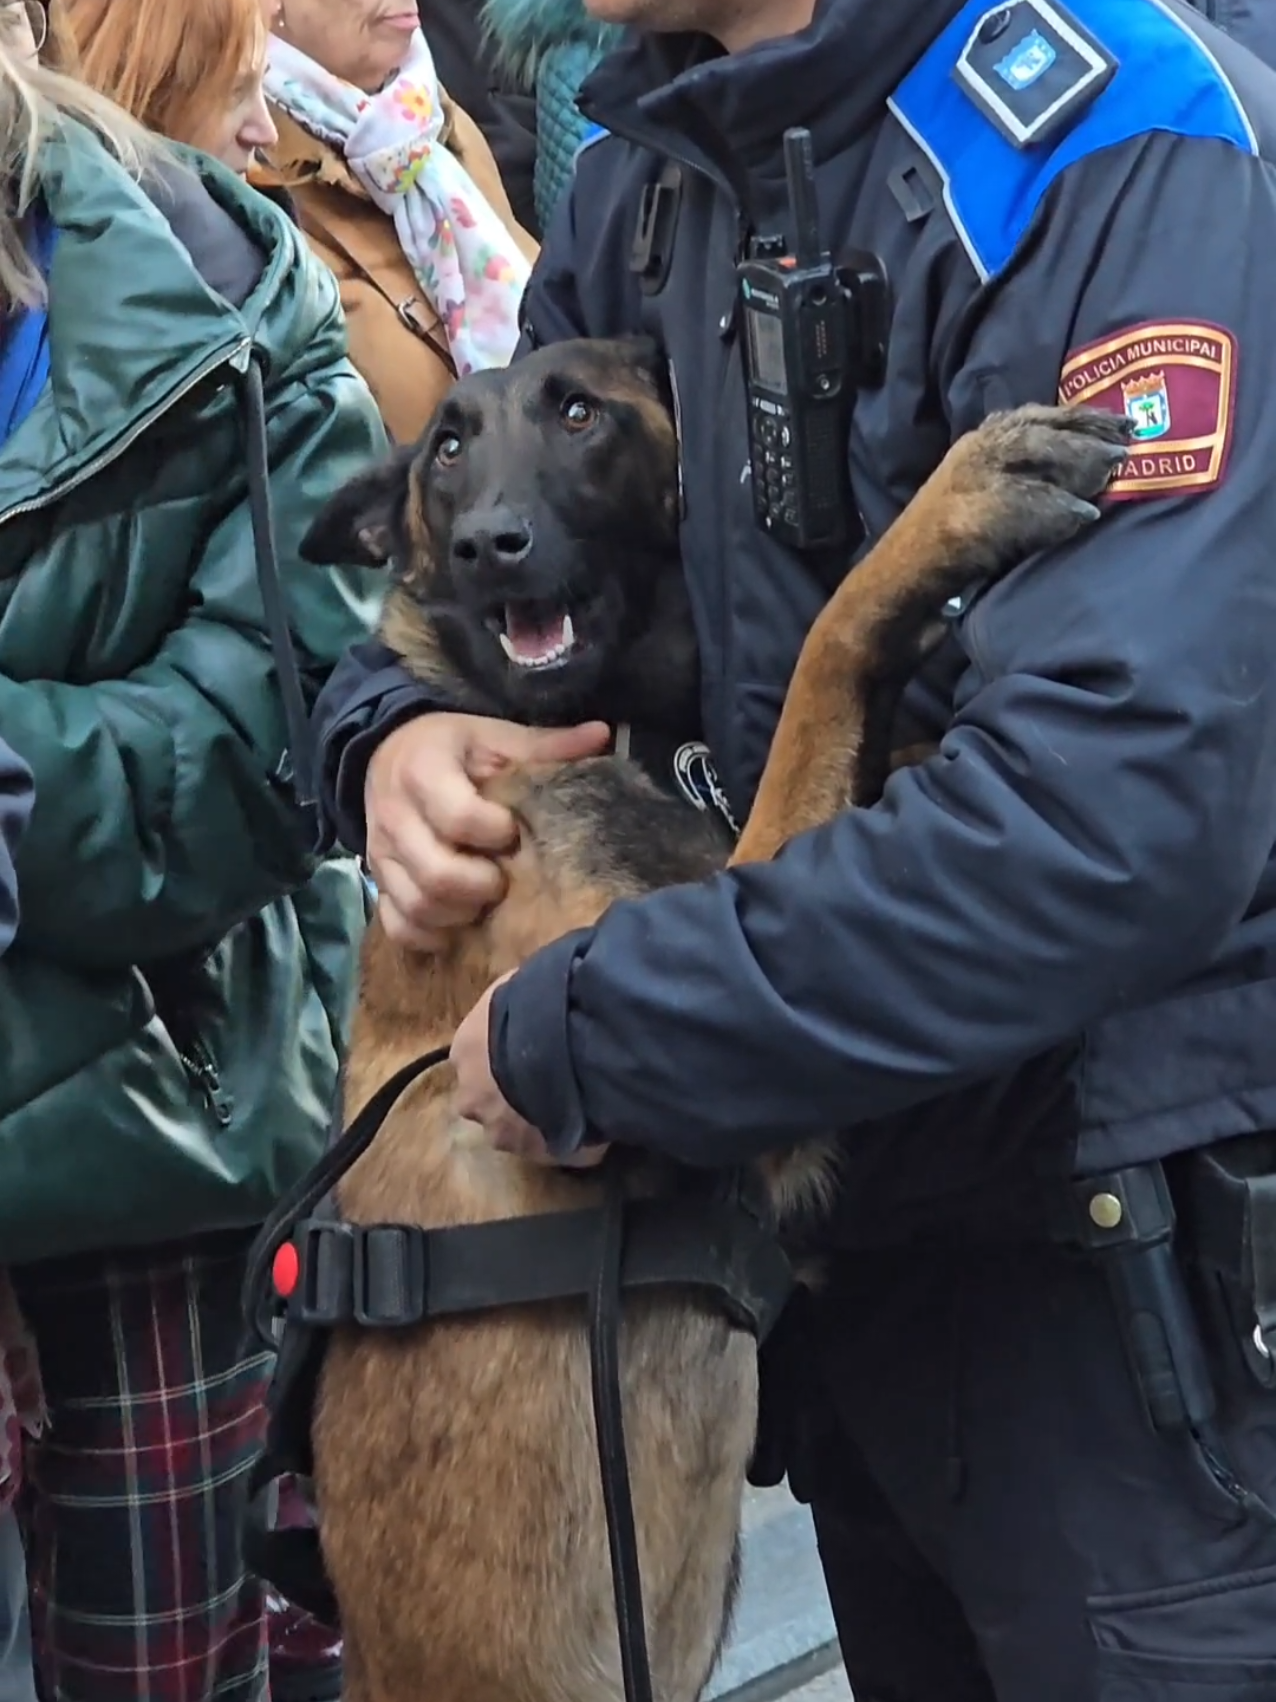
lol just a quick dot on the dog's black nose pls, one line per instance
(497, 536)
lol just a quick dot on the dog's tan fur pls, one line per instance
(456, 1468)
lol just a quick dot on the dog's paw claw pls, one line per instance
(1031, 478)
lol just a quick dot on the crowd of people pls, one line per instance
(174, 1008)
(245, 247)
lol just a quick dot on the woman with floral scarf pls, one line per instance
(397, 191)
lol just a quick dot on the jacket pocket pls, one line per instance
(1212, 1641)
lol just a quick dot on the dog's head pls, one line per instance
(533, 530)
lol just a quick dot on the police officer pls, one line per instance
(1045, 964)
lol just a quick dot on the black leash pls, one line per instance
(300, 756)
(604, 1346)
(613, 1459)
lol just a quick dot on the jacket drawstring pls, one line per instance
(300, 756)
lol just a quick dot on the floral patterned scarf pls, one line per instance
(464, 258)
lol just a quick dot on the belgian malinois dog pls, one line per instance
(533, 533)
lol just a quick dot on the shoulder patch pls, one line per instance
(1176, 383)
(1032, 69)
(1165, 79)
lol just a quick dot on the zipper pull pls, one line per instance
(203, 1072)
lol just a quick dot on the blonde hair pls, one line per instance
(35, 103)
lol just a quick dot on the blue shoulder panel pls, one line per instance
(592, 133)
(1166, 80)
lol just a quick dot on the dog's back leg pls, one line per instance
(1022, 482)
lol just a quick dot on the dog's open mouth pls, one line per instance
(535, 636)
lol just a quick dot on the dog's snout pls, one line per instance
(498, 537)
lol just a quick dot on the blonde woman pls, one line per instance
(172, 1008)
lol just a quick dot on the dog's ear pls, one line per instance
(355, 527)
(646, 352)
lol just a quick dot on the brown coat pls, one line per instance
(396, 338)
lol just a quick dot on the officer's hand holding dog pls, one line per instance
(432, 837)
(479, 1098)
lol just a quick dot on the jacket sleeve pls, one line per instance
(15, 807)
(162, 814)
(1094, 824)
(368, 695)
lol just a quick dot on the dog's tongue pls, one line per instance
(532, 635)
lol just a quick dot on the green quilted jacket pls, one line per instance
(173, 1009)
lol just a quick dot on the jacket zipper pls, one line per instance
(236, 355)
(199, 1065)
(658, 145)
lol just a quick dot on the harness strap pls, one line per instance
(302, 1198)
(329, 1273)
(289, 1559)
(393, 1275)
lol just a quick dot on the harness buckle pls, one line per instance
(322, 1297)
(389, 1276)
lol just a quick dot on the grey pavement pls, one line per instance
(830, 1687)
(782, 1642)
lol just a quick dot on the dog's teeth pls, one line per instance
(569, 634)
(507, 645)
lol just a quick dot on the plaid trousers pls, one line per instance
(134, 1501)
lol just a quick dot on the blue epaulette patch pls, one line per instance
(992, 133)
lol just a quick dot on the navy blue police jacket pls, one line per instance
(1058, 934)
(15, 807)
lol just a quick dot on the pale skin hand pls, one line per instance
(479, 1098)
(432, 839)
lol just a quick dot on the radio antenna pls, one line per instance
(799, 169)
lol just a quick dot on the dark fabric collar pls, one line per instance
(833, 77)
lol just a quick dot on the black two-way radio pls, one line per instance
(813, 334)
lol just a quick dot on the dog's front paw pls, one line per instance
(1028, 480)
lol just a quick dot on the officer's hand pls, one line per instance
(431, 837)
(479, 1098)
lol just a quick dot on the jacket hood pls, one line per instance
(521, 32)
(833, 77)
(137, 311)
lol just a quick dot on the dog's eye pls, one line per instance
(447, 451)
(577, 413)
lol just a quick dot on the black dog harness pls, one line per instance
(319, 1273)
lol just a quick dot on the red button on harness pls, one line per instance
(285, 1270)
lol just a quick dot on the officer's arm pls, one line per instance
(1094, 824)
